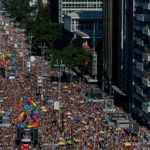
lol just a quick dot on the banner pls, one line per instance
(28, 64)
(56, 105)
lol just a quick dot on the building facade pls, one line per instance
(118, 49)
(107, 44)
(127, 54)
(84, 23)
(141, 72)
(69, 6)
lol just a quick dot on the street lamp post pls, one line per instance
(30, 42)
(59, 84)
(42, 51)
(22, 48)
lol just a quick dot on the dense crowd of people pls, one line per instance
(82, 121)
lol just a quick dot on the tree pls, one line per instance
(71, 55)
(74, 56)
(53, 55)
(44, 14)
(46, 32)
(19, 9)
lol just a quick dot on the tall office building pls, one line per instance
(117, 58)
(69, 6)
(127, 53)
(108, 47)
(141, 74)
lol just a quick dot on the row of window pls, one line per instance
(143, 1)
(82, 5)
(86, 26)
(81, 0)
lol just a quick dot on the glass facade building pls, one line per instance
(141, 72)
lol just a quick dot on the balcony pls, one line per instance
(146, 82)
(146, 67)
(139, 66)
(147, 50)
(139, 41)
(138, 4)
(138, 51)
(146, 6)
(146, 99)
(137, 73)
(139, 90)
(146, 31)
(143, 5)
(137, 97)
(146, 56)
(142, 42)
(138, 27)
(142, 17)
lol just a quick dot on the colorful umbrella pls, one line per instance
(81, 102)
(40, 84)
(65, 87)
(49, 90)
(2, 112)
(79, 119)
(61, 143)
(77, 96)
(127, 144)
(118, 129)
(101, 132)
(54, 82)
(84, 122)
(44, 110)
(46, 75)
(43, 107)
(68, 113)
(70, 142)
(50, 101)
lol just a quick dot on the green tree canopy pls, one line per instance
(71, 55)
(74, 56)
(46, 32)
(44, 14)
(19, 9)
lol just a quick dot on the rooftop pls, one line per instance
(86, 14)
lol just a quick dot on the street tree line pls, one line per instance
(39, 24)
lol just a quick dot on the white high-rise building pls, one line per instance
(69, 6)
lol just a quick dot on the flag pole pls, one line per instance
(94, 37)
